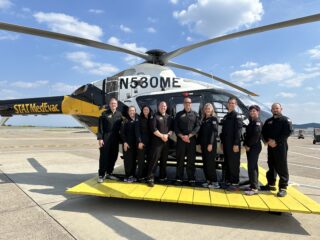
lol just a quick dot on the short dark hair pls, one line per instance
(256, 107)
(111, 99)
(232, 98)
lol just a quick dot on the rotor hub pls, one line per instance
(156, 55)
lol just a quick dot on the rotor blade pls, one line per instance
(289, 23)
(69, 38)
(176, 65)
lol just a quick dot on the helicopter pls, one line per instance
(147, 83)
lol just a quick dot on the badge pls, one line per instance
(258, 123)
(161, 118)
(183, 115)
(110, 116)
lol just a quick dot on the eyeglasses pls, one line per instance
(188, 102)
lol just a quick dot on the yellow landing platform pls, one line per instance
(295, 201)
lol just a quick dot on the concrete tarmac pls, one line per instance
(37, 165)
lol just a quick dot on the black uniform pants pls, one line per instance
(143, 156)
(108, 155)
(277, 163)
(231, 164)
(186, 149)
(253, 169)
(130, 160)
(209, 163)
(159, 151)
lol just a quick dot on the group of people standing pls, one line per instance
(145, 142)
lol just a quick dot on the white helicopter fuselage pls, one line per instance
(150, 79)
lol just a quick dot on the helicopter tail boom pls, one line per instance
(31, 106)
(48, 105)
(84, 111)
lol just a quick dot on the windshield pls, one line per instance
(248, 101)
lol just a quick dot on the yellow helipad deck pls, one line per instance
(295, 201)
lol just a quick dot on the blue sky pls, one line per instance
(281, 65)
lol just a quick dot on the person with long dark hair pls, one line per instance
(143, 136)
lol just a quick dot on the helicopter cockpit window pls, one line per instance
(176, 104)
(220, 109)
(149, 101)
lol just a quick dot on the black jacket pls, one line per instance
(279, 129)
(143, 133)
(109, 124)
(186, 123)
(253, 133)
(231, 128)
(163, 124)
(128, 131)
(208, 131)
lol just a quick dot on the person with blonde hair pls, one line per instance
(207, 139)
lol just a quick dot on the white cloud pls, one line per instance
(286, 95)
(64, 88)
(26, 10)
(309, 88)
(5, 4)
(3, 83)
(174, 1)
(264, 74)
(28, 85)
(96, 11)
(314, 52)
(189, 39)
(8, 36)
(298, 79)
(125, 29)
(131, 60)
(151, 30)
(304, 112)
(152, 20)
(66, 24)
(216, 17)
(8, 94)
(85, 64)
(249, 65)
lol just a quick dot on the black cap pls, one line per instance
(256, 107)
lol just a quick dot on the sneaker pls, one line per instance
(129, 180)
(225, 185)
(141, 180)
(111, 177)
(251, 192)
(268, 188)
(192, 183)
(100, 179)
(132, 179)
(178, 182)
(150, 183)
(282, 193)
(233, 187)
(214, 185)
(206, 184)
(163, 180)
